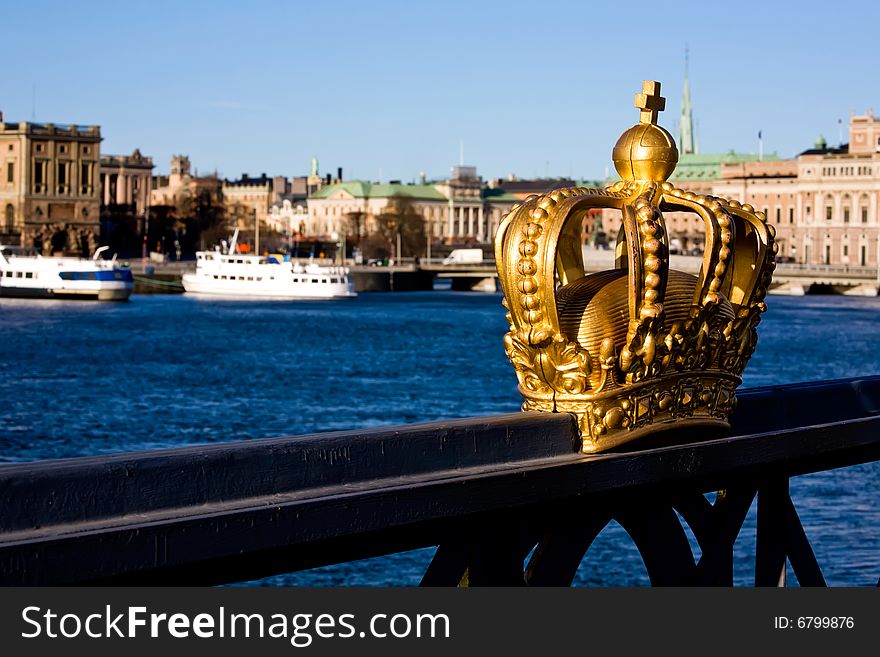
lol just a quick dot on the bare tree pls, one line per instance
(401, 219)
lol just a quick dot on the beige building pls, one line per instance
(126, 181)
(460, 209)
(180, 185)
(288, 217)
(49, 186)
(824, 203)
(249, 199)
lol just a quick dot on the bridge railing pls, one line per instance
(867, 271)
(488, 491)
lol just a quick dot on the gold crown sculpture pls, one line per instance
(636, 348)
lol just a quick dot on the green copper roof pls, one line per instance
(707, 166)
(363, 189)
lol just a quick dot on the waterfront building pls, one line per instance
(49, 187)
(180, 185)
(126, 182)
(289, 217)
(823, 203)
(248, 199)
(461, 209)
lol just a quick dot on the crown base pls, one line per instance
(615, 417)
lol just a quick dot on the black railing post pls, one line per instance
(770, 550)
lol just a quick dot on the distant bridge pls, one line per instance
(789, 278)
(800, 279)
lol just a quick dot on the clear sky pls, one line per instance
(387, 89)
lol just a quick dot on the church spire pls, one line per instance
(686, 142)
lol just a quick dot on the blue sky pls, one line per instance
(388, 89)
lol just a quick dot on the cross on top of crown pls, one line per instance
(650, 102)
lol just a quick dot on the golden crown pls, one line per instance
(639, 347)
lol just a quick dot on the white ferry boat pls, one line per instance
(33, 276)
(275, 276)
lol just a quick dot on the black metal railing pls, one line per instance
(488, 491)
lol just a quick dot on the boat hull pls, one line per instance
(104, 294)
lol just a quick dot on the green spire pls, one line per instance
(686, 126)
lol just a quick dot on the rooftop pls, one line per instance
(63, 129)
(247, 180)
(707, 166)
(364, 189)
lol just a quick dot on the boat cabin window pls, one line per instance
(314, 280)
(334, 280)
(29, 274)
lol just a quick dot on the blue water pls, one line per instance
(83, 378)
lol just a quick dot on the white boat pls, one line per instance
(33, 276)
(274, 276)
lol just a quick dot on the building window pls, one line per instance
(63, 177)
(827, 254)
(791, 215)
(778, 215)
(829, 211)
(10, 172)
(85, 178)
(864, 214)
(845, 250)
(10, 218)
(863, 255)
(40, 169)
(846, 215)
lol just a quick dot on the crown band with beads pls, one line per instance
(640, 347)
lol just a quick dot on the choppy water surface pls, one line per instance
(87, 378)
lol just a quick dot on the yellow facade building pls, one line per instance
(49, 187)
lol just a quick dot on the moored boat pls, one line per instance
(234, 274)
(36, 277)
